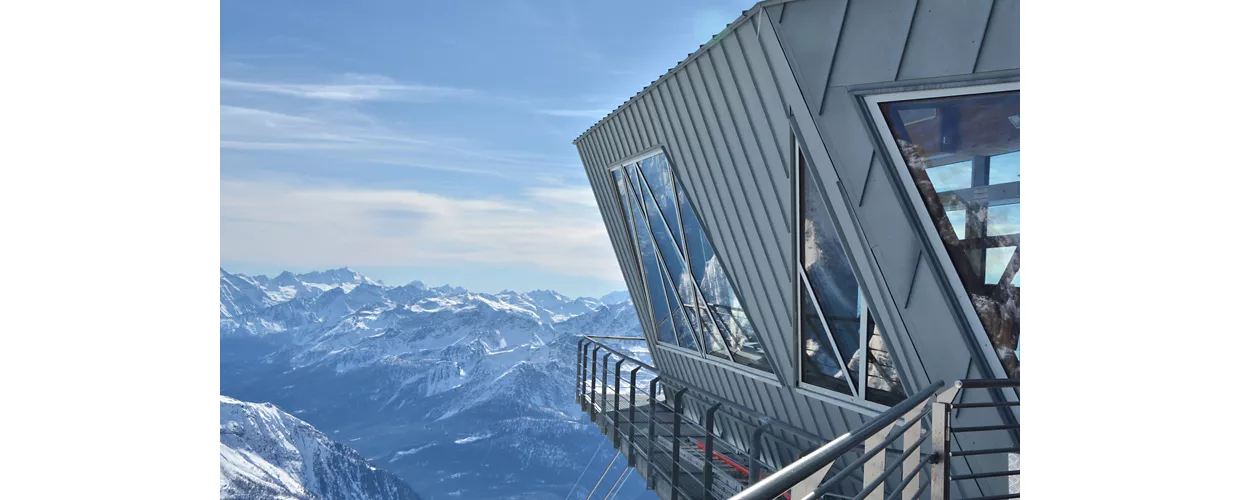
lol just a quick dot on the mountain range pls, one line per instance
(461, 394)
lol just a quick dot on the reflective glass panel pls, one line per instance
(830, 275)
(983, 132)
(718, 298)
(820, 363)
(882, 379)
(659, 177)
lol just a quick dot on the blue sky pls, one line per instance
(432, 140)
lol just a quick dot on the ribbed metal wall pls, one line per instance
(725, 117)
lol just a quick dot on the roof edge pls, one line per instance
(727, 30)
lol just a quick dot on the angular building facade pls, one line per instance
(817, 215)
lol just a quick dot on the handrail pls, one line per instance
(711, 398)
(613, 350)
(794, 473)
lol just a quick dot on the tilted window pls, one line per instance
(965, 163)
(692, 300)
(842, 347)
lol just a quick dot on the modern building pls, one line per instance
(817, 214)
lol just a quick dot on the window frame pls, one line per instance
(872, 104)
(800, 281)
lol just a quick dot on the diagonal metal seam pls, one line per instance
(985, 33)
(839, 37)
(908, 35)
(913, 279)
(865, 184)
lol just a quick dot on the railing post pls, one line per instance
(615, 410)
(581, 369)
(603, 407)
(632, 413)
(593, 377)
(708, 470)
(650, 434)
(940, 441)
(755, 451)
(678, 406)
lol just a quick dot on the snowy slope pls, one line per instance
(266, 453)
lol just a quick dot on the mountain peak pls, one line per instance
(615, 297)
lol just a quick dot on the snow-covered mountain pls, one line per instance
(615, 297)
(266, 453)
(463, 394)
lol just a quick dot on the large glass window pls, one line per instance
(842, 347)
(699, 298)
(965, 162)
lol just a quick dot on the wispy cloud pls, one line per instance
(583, 196)
(352, 135)
(308, 226)
(576, 113)
(252, 128)
(352, 87)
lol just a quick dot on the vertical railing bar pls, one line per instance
(615, 410)
(654, 406)
(755, 452)
(603, 407)
(708, 470)
(633, 414)
(593, 378)
(580, 380)
(678, 406)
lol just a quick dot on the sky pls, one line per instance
(432, 140)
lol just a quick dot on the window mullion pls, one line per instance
(863, 349)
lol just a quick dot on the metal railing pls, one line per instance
(876, 436)
(945, 411)
(680, 436)
(903, 421)
(676, 431)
